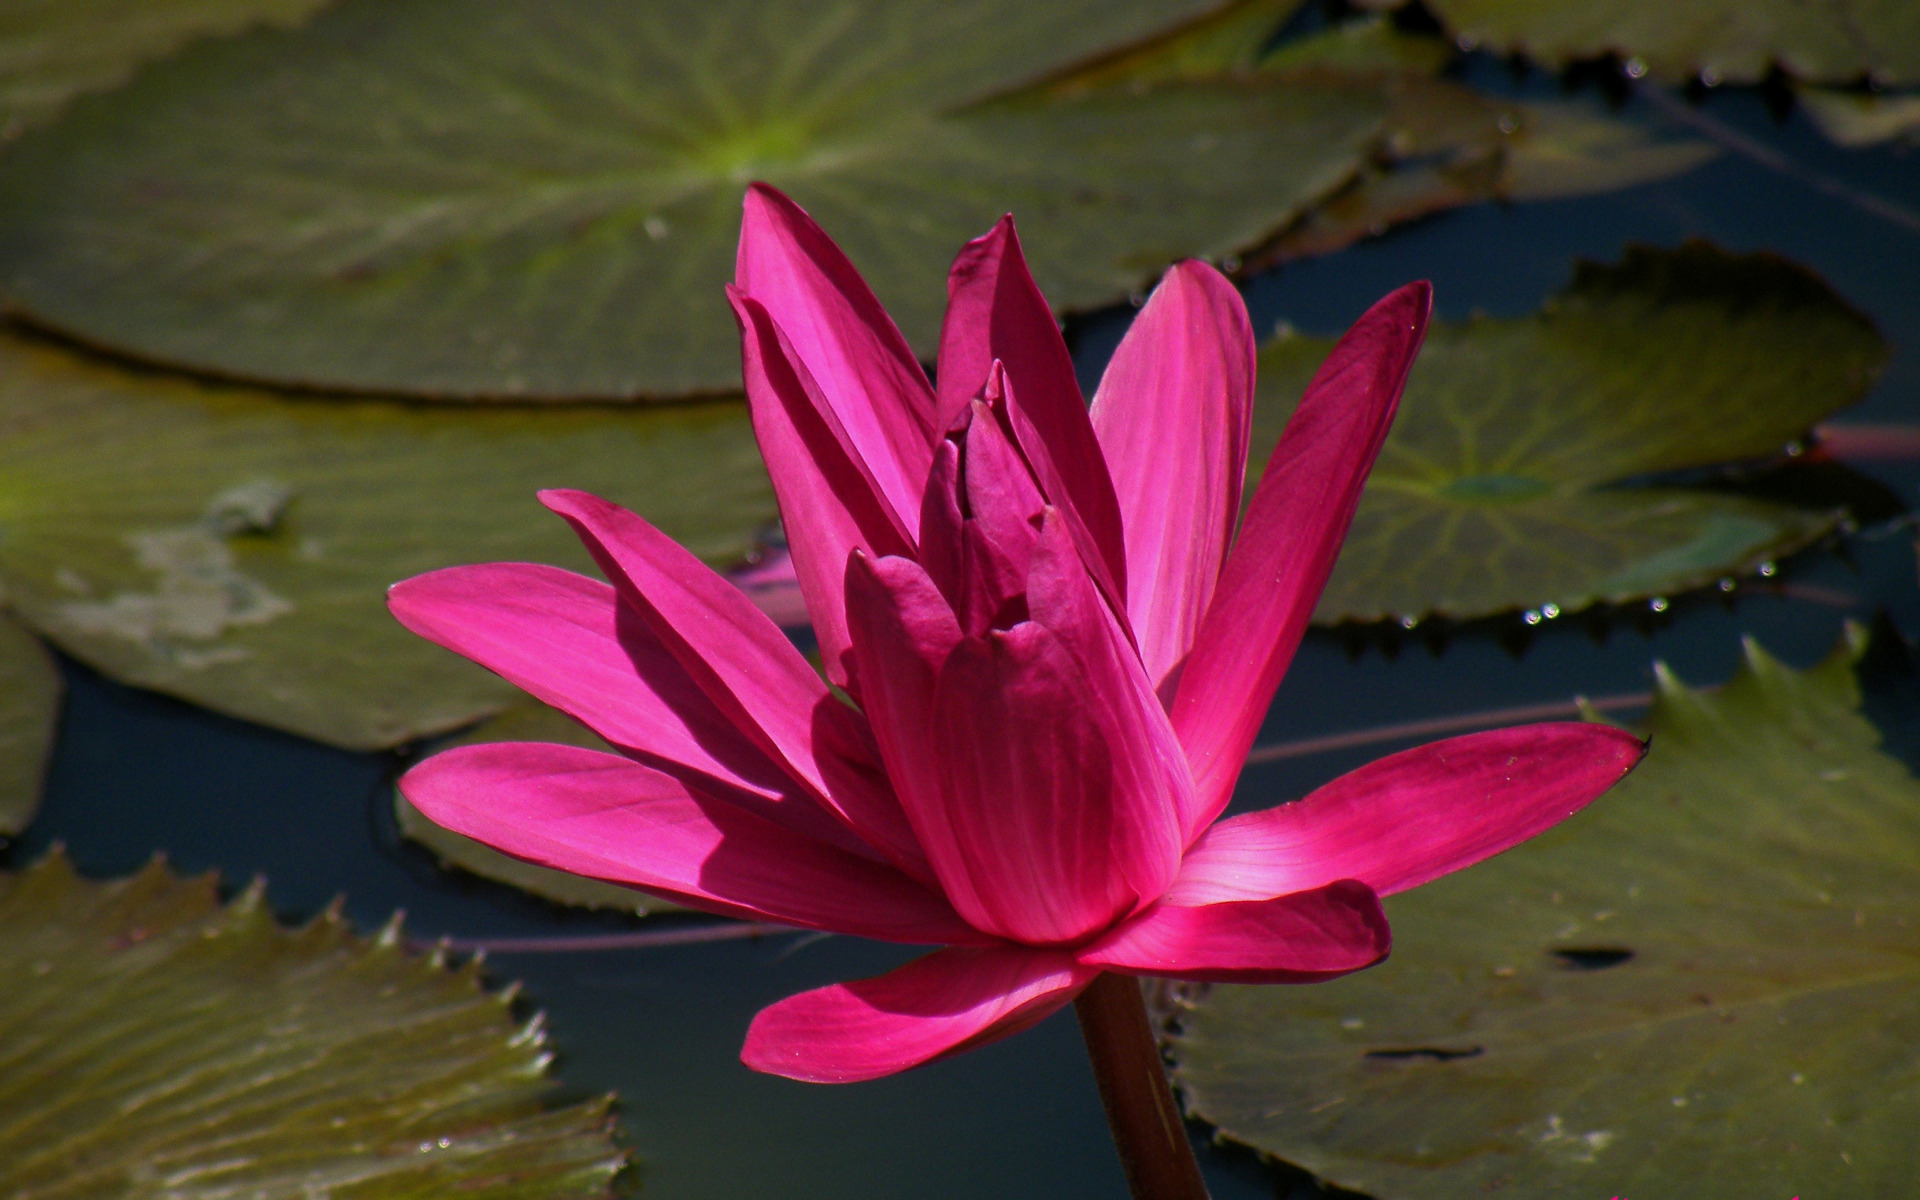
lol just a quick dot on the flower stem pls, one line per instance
(1133, 1084)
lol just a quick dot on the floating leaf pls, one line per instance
(233, 547)
(1549, 150)
(518, 198)
(158, 1044)
(526, 721)
(1447, 145)
(1572, 148)
(1369, 44)
(1736, 41)
(29, 707)
(1443, 142)
(1426, 116)
(53, 50)
(1514, 475)
(1857, 119)
(1380, 198)
(1708, 978)
(1230, 41)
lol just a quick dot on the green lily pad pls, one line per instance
(157, 1044)
(1513, 477)
(1707, 981)
(1380, 198)
(53, 50)
(1443, 142)
(1569, 148)
(1230, 41)
(1443, 132)
(1426, 116)
(526, 721)
(1368, 43)
(1855, 119)
(1556, 150)
(233, 547)
(513, 198)
(1446, 146)
(29, 708)
(1736, 41)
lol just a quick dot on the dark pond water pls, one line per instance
(662, 1026)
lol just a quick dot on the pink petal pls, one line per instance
(903, 632)
(1019, 838)
(1300, 938)
(1001, 493)
(1106, 564)
(1293, 530)
(829, 500)
(941, 1004)
(1401, 821)
(1060, 811)
(565, 639)
(996, 311)
(746, 666)
(1173, 415)
(847, 342)
(1062, 598)
(601, 816)
(976, 534)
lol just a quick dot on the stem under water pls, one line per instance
(1133, 1084)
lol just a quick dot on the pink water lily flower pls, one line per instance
(1051, 652)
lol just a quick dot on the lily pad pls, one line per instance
(1231, 41)
(1855, 119)
(29, 708)
(1367, 43)
(1735, 41)
(1567, 148)
(514, 198)
(1550, 150)
(1380, 198)
(1442, 144)
(233, 547)
(1707, 981)
(1442, 130)
(156, 1043)
(1525, 466)
(1447, 145)
(526, 721)
(53, 50)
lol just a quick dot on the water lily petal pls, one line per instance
(1058, 815)
(903, 632)
(1158, 787)
(1019, 840)
(746, 666)
(1001, 493)
(565, 639)
(1105, 563)
(1292, 532)
(1401, 821)
(1300, 938)
(941, 1004)
(829, 500)
(995, 312)
(976, 531)
(848, 343)
(1173, 414)
(602, 816)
